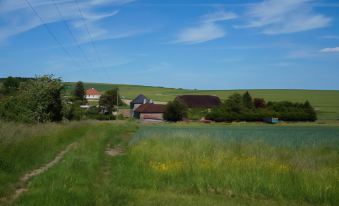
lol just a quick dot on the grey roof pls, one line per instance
(140, 99)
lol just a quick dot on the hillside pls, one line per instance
(326, 102)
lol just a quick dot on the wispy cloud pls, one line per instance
(330, 50)
(202, 33)
(287, 16)
(208, 28)
(19, 17)
(330, 37)
(219, 16)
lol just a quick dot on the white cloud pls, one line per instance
(202, 33)
(19, 17)
(219, 16)
(287, 16)
(208, 29)
(330, 50)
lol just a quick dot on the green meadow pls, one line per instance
(173, 164)
(326, 102)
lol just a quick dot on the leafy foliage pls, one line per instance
(247, 100)
(259, 103)
(37, 100)
(175, 111)
(242, 108)
(109, 100)
(79, 92)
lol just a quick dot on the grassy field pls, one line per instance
(325, 102)
(176, 164)
(25, 147)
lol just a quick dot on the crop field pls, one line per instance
(173, 164)
(326, 102)
(295, 164)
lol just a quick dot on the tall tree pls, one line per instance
(247, 100)
(109, 100)
(79, 92)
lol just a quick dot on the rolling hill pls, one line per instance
(326, 102)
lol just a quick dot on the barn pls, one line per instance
(150, 111)
(136, 102)
(199, 101)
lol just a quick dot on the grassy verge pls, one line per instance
(26, 147)
(81, 177)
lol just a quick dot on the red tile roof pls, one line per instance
(151, 108)
(92, 91)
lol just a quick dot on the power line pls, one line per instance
(49, 30)
(89, 34)
(70, 31)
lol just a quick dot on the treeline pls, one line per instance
(43, 99)
(243, 108)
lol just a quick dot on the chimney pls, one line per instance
(145, 101)
(151, 101)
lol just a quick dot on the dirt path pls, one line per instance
(117, 150)
(26, 177)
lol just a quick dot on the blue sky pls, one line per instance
(210, 44)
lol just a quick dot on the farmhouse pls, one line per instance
(149, 111)
(92, 94)
(199, 101)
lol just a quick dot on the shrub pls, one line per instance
(73, 111)
(238, 108)
(259, 103)
(37, 100)
(175, 111)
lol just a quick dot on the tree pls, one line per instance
(234, 103)
(79, 92)
(37, 100)
(247, 100)
(109, 100)
(312, 115)
(259, 103)
(175, 111)
(10, 85)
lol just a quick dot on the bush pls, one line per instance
(175, 111)
(73, 111)
(37, 100)
(238, 108)
(196, 113)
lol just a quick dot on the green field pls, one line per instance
(326, 102)
(173, 164)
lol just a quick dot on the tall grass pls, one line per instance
(82, 177)
(205, 165)
(296, 164)
(25, 147)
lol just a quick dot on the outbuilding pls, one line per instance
(137, 102)
(152, 112)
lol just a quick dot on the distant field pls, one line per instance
(326, 102)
